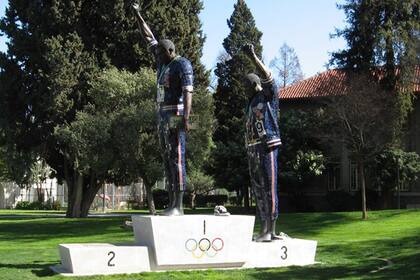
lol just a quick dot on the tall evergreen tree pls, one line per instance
(383, 34)
(382, 39)
(57, 48)
(230, 160)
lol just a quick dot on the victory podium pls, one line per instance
(185, 243)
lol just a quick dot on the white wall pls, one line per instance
(10, 193)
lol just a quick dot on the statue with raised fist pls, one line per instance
(263, 140)
(174, 97)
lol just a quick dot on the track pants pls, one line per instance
(172, 141)
(263, 173)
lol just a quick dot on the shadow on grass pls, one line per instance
(405, 267)
(298, 224)
(37, 268)
(314, 223)
(347, 259)
(52, 228)
(378, 259)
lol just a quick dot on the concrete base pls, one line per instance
(287, 252)
(185, 243)
(102, 258)
(195, 241)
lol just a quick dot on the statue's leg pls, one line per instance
(269, 193)
(177, 164)
(274, 235)
(272, 168)
(256, 169)
(167, 148)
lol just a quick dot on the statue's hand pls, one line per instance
(187, 125)
(136, 6)
(248, 49)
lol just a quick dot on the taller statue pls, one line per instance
(263, 141)
(174, 97)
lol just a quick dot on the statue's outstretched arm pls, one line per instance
(146, 32)
(265, 71)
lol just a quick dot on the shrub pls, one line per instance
(36, 205)
(52, 205)
(23, 205)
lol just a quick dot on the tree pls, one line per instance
(394, 168)
(359, 119)
(47, 71)
(40, 172)
(198, 184)
(128, 146)
(383, 34)
(287, 66)
(230, 166)
(382, 39)
(3, 167)
(302, 157)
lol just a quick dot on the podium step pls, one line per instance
(185, 243)
(101, 258)
(286, 252)
(195, 241)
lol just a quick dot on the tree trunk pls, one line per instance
(80, 195)
(150, 201)
(77, 195)
(69, 182)
(239, 196)
(362, 188)
(246, 196)
(89, 195)
(39, 192)
(193, 196)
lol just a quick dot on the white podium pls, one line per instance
(101, 258)
(185, 242)
(286, 252)
(195, 241)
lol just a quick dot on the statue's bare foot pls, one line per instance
(263, 237)
(173, 212)
(276, 237)
(167, 210)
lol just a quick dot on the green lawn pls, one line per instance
(348, 248)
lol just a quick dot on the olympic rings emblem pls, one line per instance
(204, 247)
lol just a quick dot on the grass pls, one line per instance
(348, 247)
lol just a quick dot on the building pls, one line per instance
(341, 175)
(11, 193)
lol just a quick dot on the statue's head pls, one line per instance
(252, 83)
(165, 51)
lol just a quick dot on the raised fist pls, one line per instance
(136, 6)
(248, 49)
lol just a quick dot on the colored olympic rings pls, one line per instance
(205, 247)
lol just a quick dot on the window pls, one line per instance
(333, 177)
(404, 186)
(354, 182)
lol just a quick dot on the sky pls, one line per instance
(304, 25)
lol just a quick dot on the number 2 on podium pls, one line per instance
(112, 257)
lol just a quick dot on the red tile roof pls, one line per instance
(330, 82)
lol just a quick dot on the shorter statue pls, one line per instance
(174, 97)
(263, 140)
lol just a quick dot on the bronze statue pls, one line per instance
(263, 140)
(174, 97)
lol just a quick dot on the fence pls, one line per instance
(109, 197)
